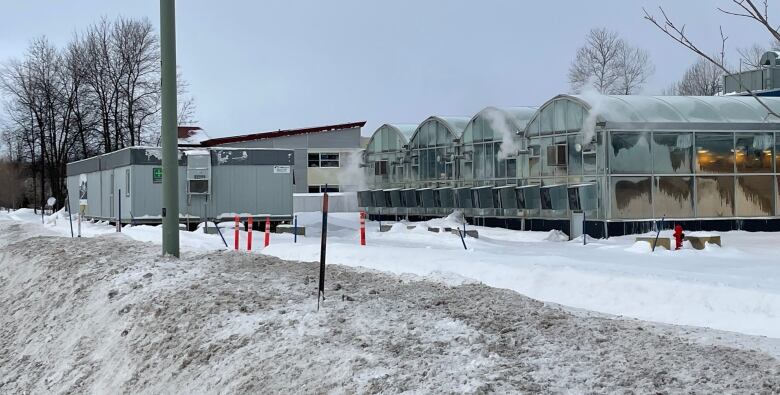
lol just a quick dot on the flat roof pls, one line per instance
(281, 133)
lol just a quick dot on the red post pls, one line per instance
(362, 228)
(267, 231)
(235, 232)
(249, 235)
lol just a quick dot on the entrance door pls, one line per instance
(575, 225)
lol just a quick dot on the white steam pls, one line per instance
(596, 100)
(500, 122)
(351, 174)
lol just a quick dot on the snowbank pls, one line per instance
(109, 315)
(734, 288)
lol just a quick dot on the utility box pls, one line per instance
(214, 183)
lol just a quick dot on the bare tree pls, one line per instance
(750, 57)
(609, 64)
(701, 79)
(745, 9)
(633, 69)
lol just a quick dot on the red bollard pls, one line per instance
(267, 231)
(362, 228)
(235, 232)
(249, 235)
(678, 237)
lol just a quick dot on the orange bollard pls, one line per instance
(235, 232)
(249, 235)
(362, 228)
(267, 231)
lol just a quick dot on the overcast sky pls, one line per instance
(275, 64)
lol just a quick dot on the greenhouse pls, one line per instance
(617, 164)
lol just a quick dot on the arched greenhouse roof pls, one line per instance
(391, 137)
(646, 112)
(516, 119)
(454, 126)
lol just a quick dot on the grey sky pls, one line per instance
(275, 64)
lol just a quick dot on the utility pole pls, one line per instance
(170, 149)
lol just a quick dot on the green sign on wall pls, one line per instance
(157, 175)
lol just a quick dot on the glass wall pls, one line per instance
(673, 153)
(432, 149)
(754, 196)
(629, 153)
(715, 152)
(482, 144)
(632, 198)
(715, 196)
(673, 197)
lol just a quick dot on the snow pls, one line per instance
(110, 315)
(733, 288)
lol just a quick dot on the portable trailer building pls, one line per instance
(215, 183)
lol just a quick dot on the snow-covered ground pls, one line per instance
(111, 315)
(734, 288)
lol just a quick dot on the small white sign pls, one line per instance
(281, 169)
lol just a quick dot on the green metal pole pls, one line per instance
(170, 149)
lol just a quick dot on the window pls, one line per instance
(380, 168)
(323, 188)
(556, 155)
(324, 160)
(715, 153)
(314, 160)
(673, 152)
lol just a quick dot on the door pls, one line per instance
(576, 224)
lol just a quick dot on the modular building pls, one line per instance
(604, 165)
(214, 183)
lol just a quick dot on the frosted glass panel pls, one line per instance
(673, 153)
(673, 197)
(715, 196)
(630, 153)
(631, 197)
(754, 196)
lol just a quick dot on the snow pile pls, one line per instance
(556, 235)
(109, 315)
(734, 288)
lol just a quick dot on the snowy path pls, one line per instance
(109, 315)
(734, 288)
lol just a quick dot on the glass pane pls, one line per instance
(547, 120)
(715, 196)
(754, 152)
(490, 159)
(673, 197)
(673, 152)
(631, 197)
(545, 143)
(560, 115)
(574, 160)
(468, 133)
(314, 160)
(440, 164)
(534, 166)
(479, 161)
(754, 196)
(630, 153)
(574, 114)
(441, 134)
(533, 128)
(511, 168)
(715, 152)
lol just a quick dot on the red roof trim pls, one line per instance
(280, 133)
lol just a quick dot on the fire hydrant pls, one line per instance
(678, 237)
